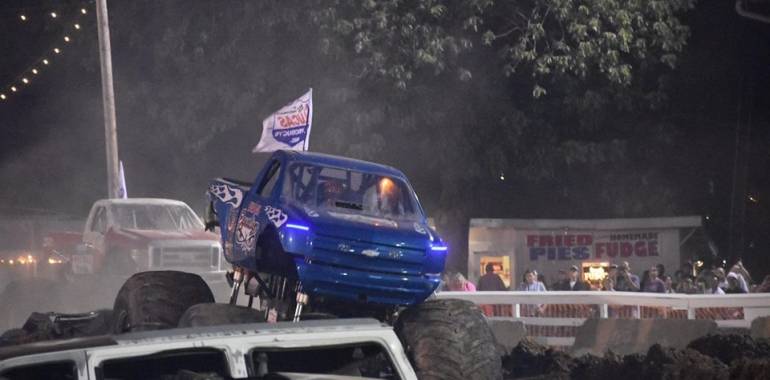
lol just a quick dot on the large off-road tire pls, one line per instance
(214, 314)
(448, 339)
(156, 300)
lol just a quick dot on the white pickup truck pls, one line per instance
(320, 349)
(124, 236)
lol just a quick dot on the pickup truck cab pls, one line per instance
(129, 235)
(336, 228)
(324, 349)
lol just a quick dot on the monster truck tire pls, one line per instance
(449, 339)
(213, 314)
(156, 300)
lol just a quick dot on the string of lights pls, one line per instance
(43, 62)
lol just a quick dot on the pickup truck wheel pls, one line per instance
(156, 300)
(449, 339)
(214, 314)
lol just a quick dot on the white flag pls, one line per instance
(122, 190)
(289, 127)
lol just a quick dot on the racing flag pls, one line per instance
(289, 127)
(122, 190)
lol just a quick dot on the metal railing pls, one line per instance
(553, 317)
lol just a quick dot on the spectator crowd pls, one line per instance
(689, 279)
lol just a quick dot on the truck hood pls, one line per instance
(405, 234)
(154, 235)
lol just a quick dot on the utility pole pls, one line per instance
(108, 99)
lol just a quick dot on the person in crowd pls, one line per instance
(458, 283)
(530, 283)
(540, 278)
(661, 270)
(712, 284)
(626, 281)
(669, 284)
(654, 284)
(687, 285)
(490, 281)
(573, 280)
(734, 284)
(719, 273)
(609, 282)
(740, 269)
(742, 276)
(563, 278)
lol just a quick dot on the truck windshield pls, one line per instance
(156, 217)
(350, 192)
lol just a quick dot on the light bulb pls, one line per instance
(53, 14)
(23, 18)
(45, 61)
(34, 71)
(13, 88)
(56, 50)
(83, 11)
(77, 26)
(66, 39)
(25, 80)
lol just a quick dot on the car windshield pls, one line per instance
(166, 217)
(349, 192)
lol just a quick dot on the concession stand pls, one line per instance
(551, 245)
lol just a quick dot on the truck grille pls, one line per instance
(201, 257)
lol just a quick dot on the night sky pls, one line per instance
(51, 131)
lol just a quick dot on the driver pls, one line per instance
(332, 190)
(389, 197)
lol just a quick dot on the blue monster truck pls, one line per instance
(349, 238)
(319, 236)
(330, 229)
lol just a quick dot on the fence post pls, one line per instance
(690, 311)
(604, 311)
(516, 310)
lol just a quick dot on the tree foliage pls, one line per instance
(396, 40)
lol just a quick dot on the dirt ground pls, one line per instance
(711, 357)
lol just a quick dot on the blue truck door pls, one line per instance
(256, 210)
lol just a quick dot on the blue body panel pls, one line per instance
(351, 259)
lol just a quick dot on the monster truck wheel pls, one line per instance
(448, 339)
(213, 314)
(156, 300)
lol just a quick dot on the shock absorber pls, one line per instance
(237, 281)
(302, 299)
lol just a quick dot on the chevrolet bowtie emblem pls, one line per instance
(344, 247)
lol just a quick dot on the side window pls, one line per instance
(99, 223)
(63, 370)
(365, 359)
(203, 363)
(270, 179)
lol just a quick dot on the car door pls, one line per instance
(93, 239)
(259, 207)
